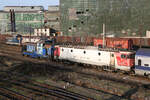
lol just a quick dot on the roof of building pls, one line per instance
(39, 12)
(143, 52)
(23, 6)
(53, 6)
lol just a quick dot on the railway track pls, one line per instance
(48, 91)
(124, 78)
(9, 94)
(117, 77)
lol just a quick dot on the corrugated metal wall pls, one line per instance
(122, 17)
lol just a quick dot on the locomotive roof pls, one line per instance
(143, 52)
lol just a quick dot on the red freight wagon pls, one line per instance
(4, 37)
(68, 39)
(76, 40)
(119, 43)
(116, 43)
(63, 39)
(98, 42)
(89, 40)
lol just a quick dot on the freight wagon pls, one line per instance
(115, 43)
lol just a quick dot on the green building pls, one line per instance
(25, 21)
(121, 17)
(29, 17)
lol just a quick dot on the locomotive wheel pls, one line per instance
(132, 72)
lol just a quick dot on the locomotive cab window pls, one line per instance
(123, 56)
(131, 56)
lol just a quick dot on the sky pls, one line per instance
(44, 3)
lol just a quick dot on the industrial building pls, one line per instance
(27, 18)
(52, 17)
(121, 17)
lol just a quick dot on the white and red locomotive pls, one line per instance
(121, 60)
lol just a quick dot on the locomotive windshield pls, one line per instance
(131, 56)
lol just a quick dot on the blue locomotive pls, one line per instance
(42, 49)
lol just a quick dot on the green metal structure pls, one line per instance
(121, 17)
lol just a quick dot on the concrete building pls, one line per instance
(85, 17)
(53, 8)
(52, 19)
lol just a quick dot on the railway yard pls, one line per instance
(75, 50)
(25, 78)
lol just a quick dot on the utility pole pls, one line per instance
(103, 35)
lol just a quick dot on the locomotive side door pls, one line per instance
(112, 59)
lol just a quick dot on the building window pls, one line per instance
(32, 7)
(74, 25)
(139, 62)
(79, 12)
(82, 22)
(87, 10)
(123, 56)
(57, 18)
